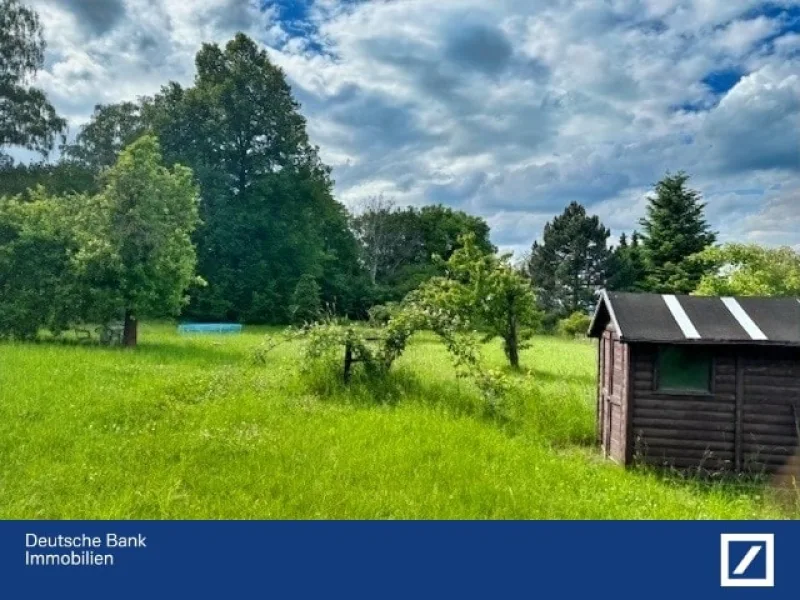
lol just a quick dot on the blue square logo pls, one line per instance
(747, 560)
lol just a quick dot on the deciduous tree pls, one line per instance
(749, 270)
(136, 256)
(27, 119)
(488, 291)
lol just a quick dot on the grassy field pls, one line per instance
(193, 427)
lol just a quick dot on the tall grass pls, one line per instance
(192, 427)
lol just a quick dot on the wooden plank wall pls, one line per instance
(693, 430)
(770, 410)
(616, 402)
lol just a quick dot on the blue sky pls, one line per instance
(509, 109)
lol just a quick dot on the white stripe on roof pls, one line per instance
(681, 318)
(741, 316)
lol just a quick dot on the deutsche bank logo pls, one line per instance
(747, 560)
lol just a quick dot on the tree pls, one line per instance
(674, 229)
(136, 256)
(627, 271)
(389, 237)
(112, 127)
(27, 119)
(59, 179)
(571, 263)
(399, 244)
(442, 227)
(749, 270)
(37, 286)
(267, 207)
(577, 324)
(306, 305)
(487, 290)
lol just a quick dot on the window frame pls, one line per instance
(673, 391)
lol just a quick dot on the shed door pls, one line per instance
(607, 389)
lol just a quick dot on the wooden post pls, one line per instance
(348, 361)
(739, 414)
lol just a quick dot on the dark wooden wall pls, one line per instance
(683, 430)
(770, 405)
(749, 421)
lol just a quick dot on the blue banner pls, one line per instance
(419, 559)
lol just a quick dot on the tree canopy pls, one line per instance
(399, 245)
(749, 270)
(27, 119)
(266, 204)
(76, 259)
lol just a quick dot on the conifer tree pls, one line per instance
(627, 272)
(571, 263)
(674, 229)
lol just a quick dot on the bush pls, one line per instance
(306, 304)
(381, 314)
(575, 325)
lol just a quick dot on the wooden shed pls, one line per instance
(699, 382)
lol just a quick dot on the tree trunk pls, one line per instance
(512, 339)
(130, 332)
(512, 350)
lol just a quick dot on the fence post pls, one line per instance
(348, 360)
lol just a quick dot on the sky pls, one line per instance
(509, 109)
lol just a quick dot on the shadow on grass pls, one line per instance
(458, 398)
(550, 377)
(212, 351)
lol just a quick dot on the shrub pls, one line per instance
(575, 325)
(381, 314)
(306, 304)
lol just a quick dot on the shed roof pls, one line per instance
(698, 319)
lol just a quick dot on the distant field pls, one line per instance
(192, 427)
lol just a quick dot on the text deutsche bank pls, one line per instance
(77, 550)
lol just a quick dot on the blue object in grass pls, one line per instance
(209, 328)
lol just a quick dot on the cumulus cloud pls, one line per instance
(510, 109)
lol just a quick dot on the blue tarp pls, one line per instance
(209, 328)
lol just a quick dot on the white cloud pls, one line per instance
(510, 108)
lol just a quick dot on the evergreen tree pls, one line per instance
(570, 264)
(627, 272)
(674, 229)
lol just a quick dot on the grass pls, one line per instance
(193, 427)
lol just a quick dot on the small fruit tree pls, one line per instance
(488, 291)
(378, 355)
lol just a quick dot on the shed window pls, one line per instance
(682, 369)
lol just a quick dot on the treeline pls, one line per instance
(674, 252)
(574, 259)
(270, 230)
(269, 242)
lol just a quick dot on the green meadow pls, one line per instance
(211, 427)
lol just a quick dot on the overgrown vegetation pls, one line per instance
(189, 427)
